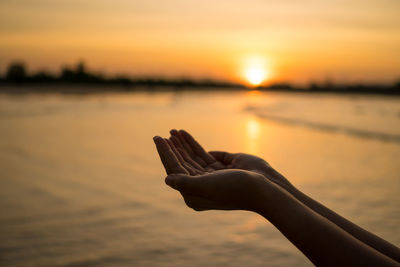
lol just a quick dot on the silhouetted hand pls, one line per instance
(223, 189)
(194, 155)
(225, 181)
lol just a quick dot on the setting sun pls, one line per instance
(255, 76)
(255, 70)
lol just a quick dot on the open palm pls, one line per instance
(208, 184)
(197, 160)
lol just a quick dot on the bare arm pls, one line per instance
(356, 231)
(216, 160)
(324, 243)
(361, 234)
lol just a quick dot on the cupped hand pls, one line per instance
(204, 188)
(228, 189)
(196, 156)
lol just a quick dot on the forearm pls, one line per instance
(368, 238)
(361, 234)
(322, 241)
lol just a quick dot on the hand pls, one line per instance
(212, 180)
(195, 155)
(227, 189)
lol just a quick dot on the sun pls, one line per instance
(255, 76)
(255, 70)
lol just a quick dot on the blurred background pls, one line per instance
(312, 87)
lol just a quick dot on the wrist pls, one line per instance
(275, 203)
(263, 198)
(274, 176)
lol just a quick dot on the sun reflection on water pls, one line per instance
(253, 133)
(253, 129)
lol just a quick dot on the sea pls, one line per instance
(81, 183)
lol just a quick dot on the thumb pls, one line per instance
(185, 183)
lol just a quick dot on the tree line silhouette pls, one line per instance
(16, 74)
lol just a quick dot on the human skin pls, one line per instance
(226, 181)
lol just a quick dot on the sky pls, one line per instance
(236, 40)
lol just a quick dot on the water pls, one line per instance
(81, 183)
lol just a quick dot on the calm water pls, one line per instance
(81, 183)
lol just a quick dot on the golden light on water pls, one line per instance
(253, 129)
(253, 126)
(253, 133)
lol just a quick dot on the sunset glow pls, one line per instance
(255, 69)
(255, 76)
(305, 41)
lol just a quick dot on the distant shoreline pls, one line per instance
(80, 89)
(79, 80)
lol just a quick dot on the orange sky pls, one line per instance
(297, 41)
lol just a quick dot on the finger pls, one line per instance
(188, 148)
(201, 203)
(183, 142)
(191, 170)
(217, 165)
(174, 138)
(190, 161)
(176, 142)
(185, 165)
(198, 203)
(196, 147)
(185, 155)
(224, 157)
(176, 152)
(168, 158)
(191, 185)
